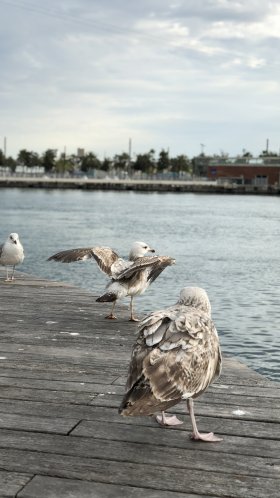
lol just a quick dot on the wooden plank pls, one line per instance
(26, 353)
(241, 402)
(180, 438)
(46, 395)
(196, 456)
(76, 351)
(69, 488)
(30, 379)
(56, 365)
(234, 395)
(239, 410)
(227, 379)
(92, 375)
(234, 485)
(76, 359)
(269, 390)
(29, 422)
(249, 400)
(12, 482)
(100, 394)
(78, 375)
(35, 383)
(231, 426)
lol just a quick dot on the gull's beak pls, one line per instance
(152, 250)
(14, 241)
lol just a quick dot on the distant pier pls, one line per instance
(199, 187)
(62, 375)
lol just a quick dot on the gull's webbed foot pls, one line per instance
(168, 420)
(111, 317)
(209, 438)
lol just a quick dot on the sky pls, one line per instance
(186, 76)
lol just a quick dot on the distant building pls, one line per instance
(261, 171)
(80, 152)
(33, 170)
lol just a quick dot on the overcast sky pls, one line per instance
(183, 75)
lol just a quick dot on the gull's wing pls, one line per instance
(189, 351)
(105, 257)
(158, 322)
(155, 264)
(177, 354)
(71, 255)
(119, 266)
(159, 266)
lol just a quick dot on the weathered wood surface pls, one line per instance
(62, 374)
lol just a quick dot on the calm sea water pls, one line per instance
(227, 244)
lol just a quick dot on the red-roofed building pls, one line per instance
(261, 171)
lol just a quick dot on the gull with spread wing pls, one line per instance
(11, 254)
(128, 277)
(176, 357)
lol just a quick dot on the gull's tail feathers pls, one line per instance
(109, 297)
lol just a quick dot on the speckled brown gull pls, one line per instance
(11, 254)
(128, 277)
(176, 357)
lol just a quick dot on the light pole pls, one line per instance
(5, 146)
(129, 157)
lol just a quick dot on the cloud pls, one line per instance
(165, 73)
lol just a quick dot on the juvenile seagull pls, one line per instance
(176, 357)
(11, 254)
(128, 278)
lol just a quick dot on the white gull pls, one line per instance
(11, 254)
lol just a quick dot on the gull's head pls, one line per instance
(13, 238)
(196, 297)
(138, 250)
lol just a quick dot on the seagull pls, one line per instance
(128, 277)
(11, 254)
(176, 357)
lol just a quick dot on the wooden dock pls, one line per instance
(62, 375)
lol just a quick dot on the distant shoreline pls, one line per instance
(199, 187)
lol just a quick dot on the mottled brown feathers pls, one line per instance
(176, 356)
(104, 256)
(156, 264)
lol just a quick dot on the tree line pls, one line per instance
(87, 163)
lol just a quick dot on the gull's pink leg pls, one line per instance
(165, 420)
(196, 435)
(112, 316)
(132, 317)
(7, 275)
(12, 277)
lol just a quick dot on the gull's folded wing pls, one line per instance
(176, 355)
(156, 264)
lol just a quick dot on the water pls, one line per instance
(227, 244)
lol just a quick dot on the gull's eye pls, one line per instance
(145, 247)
